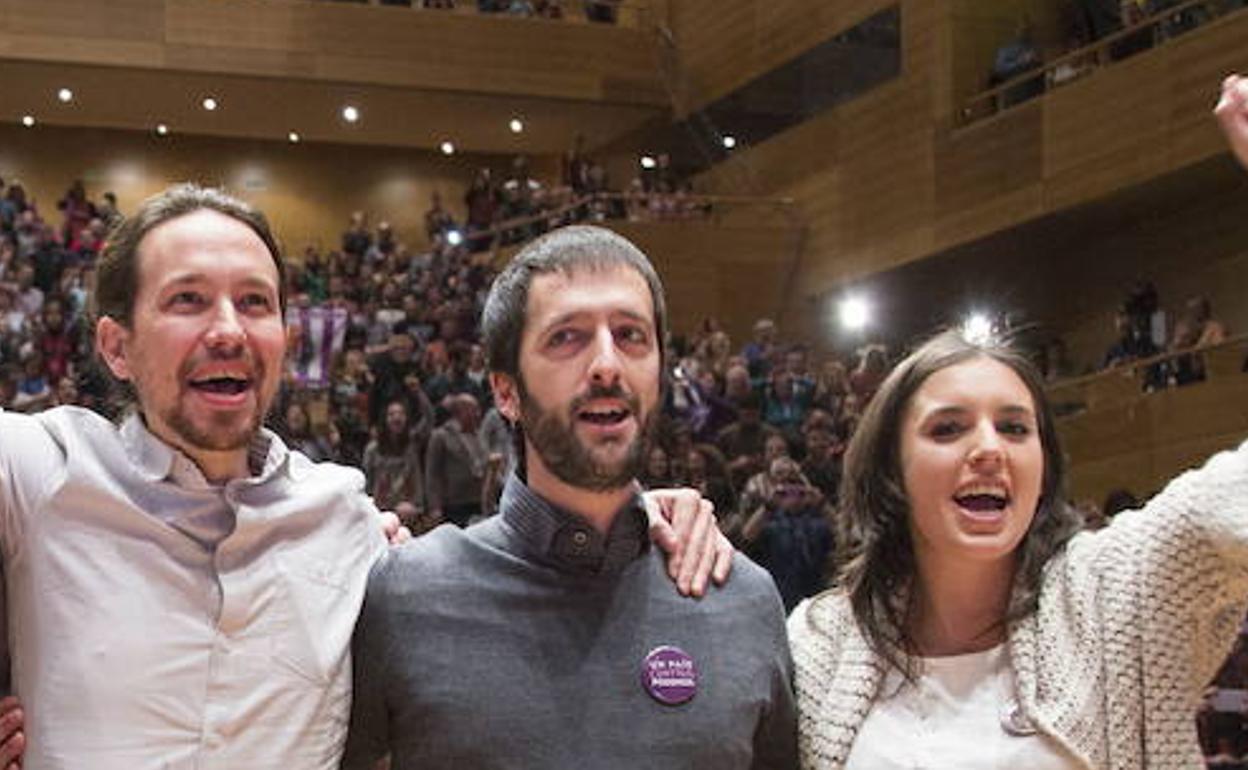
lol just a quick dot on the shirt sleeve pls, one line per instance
(368, 735)
(31, 466)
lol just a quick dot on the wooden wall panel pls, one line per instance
(733, 273)
(726, 43)
(1141, 447)
(343, 43)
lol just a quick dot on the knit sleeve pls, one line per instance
(1170, 581)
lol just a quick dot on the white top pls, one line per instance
(161, 623)
(961, 712)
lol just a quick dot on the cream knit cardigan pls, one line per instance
(1133, 622)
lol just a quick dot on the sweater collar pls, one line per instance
(568, 542)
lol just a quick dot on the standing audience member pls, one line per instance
(455, 463)
(392, 461)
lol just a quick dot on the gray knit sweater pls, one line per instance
(1133, 622)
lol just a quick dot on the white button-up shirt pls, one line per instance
(157, 621)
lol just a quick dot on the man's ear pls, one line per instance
(506, 396)
(110, 342)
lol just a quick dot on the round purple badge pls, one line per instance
(669, 675)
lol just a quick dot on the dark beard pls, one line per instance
(567, 458)
(214, 441)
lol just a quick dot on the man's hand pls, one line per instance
(393, 529)
(1232, 114)
(683, 525)
(12, 734)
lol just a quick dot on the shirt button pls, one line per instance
(580, 539)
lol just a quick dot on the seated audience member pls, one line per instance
(392, 462)
(789, 534)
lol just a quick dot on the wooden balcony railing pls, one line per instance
(1148, 33)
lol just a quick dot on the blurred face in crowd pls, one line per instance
(296, 420)
(818, 442)
(467, 412)
(656, 464)
(205, 347)
(401, 348)
(53, 316)
(589, 377)
(696, 465)
(396, 418)
(737, 382)
(774, 447)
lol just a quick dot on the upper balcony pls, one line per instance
(432, 74)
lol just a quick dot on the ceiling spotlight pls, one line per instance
(65, 95)
(647, 161)
(162, 129)
(454, 237)
(350, 113)
(293, 137)
(855, 313)
(977, 329)
(448, 148)
(730, 142)
(516, 125)
(209, 103)
(28, 120)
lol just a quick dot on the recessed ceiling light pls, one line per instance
(516, 125)
(65, 95)
(647, 161)
(293, 137)
(730, 142)
(350, 113)
(448, 148)
(162, 129)
(28, 120)
(209, 103)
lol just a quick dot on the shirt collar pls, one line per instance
(566, 541)
(157, 461)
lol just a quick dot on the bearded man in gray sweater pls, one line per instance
(550, 635)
